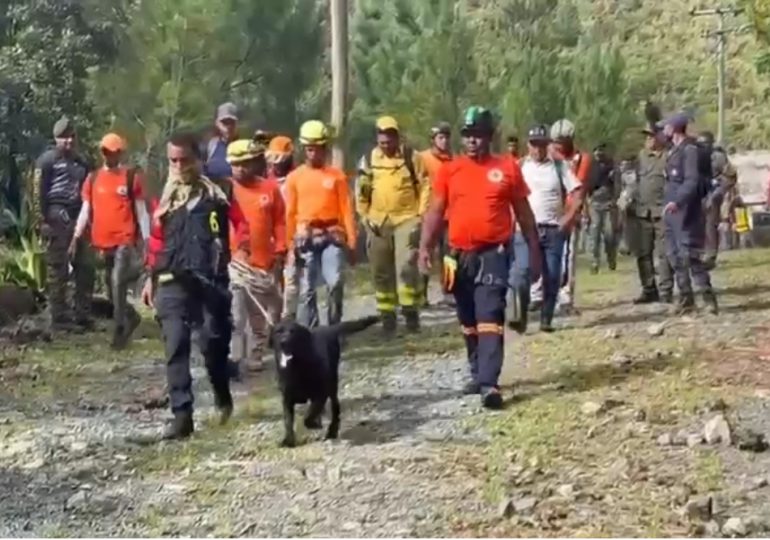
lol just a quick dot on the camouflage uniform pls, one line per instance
(56, 199)
(724, 181)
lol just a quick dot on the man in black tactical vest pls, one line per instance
(189, 254)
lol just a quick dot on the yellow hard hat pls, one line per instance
(385, 123)
(243, 150)
(314, 132)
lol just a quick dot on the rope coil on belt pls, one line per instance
(252, 279)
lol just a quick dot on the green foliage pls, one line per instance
(23, 265)
(182, 58)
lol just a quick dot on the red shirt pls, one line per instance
(479, 198)
(112, 221)
(262, 205)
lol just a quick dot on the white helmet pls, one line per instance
(563, 129)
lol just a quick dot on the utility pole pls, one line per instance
(339, 60)
(721, 35)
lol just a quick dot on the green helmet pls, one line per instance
(479, 120)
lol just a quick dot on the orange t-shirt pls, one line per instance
(479, 198)
(433, 162)
(112, 218)
(262, 206)
(319, 196)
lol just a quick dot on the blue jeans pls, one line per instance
(320, 263)
(518, 274)
(551, 243)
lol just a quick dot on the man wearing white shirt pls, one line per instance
(549, 182)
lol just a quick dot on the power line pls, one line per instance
(721, 35)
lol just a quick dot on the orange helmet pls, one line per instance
(279, 149)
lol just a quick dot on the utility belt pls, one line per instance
(63, 212)
(318, 235)
(487, 265)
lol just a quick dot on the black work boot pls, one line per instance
(181, 427)
(492, 399)
(647, 297)
(710, 299)
(389, 324)
(412, 320)
(471, 388)
(686, 305)
(223, 400)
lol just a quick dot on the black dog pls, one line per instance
(308, 370)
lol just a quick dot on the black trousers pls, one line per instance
(184, 305)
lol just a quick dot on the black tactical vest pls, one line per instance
(196, 241)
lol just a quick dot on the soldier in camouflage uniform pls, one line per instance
(59, 177)
(644, 210)
(723, 181)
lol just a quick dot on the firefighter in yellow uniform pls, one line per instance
(392, 194)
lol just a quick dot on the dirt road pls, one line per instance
(604, 434)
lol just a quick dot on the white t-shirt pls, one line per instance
(546, 195)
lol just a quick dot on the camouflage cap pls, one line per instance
(63, 126)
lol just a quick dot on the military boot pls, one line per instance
(710, 299)
(647, 297)
(181, 427)
(686, 305)
(389, 323)
(667, 297)
(412, 320)
(223, 400)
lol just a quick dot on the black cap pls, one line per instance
(538, 134)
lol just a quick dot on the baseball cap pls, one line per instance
(385, 123)
(227, 111)
(538, 134)
(677, 121)
(112, 142)
(441, 128)
(63, 126)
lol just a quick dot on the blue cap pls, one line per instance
(677, 121)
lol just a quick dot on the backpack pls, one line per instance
(705, 170)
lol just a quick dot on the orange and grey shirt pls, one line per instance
(319, 198)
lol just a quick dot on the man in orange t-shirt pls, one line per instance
(320, 226)
(478, 191)
(433, 158)
(113, 201)
(256, 296)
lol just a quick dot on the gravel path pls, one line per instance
(76, 468)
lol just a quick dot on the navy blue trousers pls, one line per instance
(480, 288)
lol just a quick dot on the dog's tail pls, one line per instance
(346, 328)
